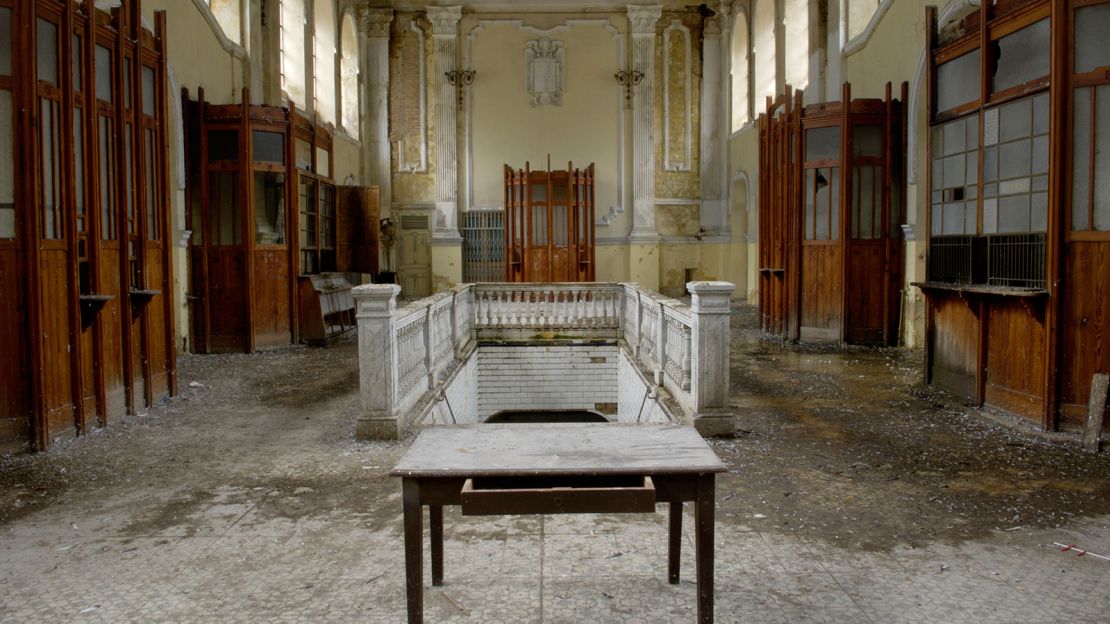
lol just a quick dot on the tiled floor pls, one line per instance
(232, 565)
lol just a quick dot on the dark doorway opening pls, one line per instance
(546, 416)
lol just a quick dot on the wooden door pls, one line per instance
(822, 274)
(414, 256)
(358, 233)
(549, 230)
(226, 259)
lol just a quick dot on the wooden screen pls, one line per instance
(830, 219)
(87, 217)
(263, 211)
(243, 243)
(549, 225)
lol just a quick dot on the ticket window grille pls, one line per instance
(989, 157)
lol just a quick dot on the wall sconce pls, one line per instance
(628, 79)
(460, 78)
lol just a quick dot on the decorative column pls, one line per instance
(712, 205)
(709, 362)
(445, 37)
(374, 25)
(374, 307)
(642, 20)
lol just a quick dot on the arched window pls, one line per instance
(348, 72)
(796, 27)
(323, 54)
(292, 50)
(763, 53)
(741, 103)
(859, 15)
(226, 13)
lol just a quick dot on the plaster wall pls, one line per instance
(506, 127)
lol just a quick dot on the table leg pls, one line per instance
(674, 550)
(435, 513)
(414, 551)
(703, 546)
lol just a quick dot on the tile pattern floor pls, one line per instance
(232, 565)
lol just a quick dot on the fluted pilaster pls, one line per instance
(642, 21)
(374, 25)
(445, 37)
(712, 136)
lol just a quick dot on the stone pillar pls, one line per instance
(642, 20)
(445, 37)
(374, 24)
(374, 305)
(709, 362)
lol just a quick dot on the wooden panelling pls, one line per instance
(865, 293)
(1015, 358)
(1085, 332)
(954, 345)
(88, 376)
(111, 326)
(822, 282)
(55, 340)
(14, 408)
(227, 299)
(272, 321)
(159, 359)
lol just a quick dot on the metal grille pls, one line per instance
(483, 234)
(950, 259)
(1016, 261)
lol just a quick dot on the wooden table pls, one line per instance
(557, 468)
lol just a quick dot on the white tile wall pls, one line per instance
(631, 404)
(552, 377)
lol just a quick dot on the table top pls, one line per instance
(557, 449)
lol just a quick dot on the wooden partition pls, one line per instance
(85, 271)
(549, 225)
(831, 251)
(1019, 215)
(265, 214)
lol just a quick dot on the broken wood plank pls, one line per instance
(1096, 409)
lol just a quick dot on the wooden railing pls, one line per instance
(406, 354)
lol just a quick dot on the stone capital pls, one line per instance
(642, 18)
(713, 26)
(710, 297)
(375, 300)
(445, 20)
(375, 23)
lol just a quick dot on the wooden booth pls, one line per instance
(85, 276)
(267, 220)
(549, 225)
(830, 214)
(1018, 256)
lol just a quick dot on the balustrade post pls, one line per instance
(429, 347)
(709, 385)
(377, 361)
(660, 342)
(639, 322)
(455, 324)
